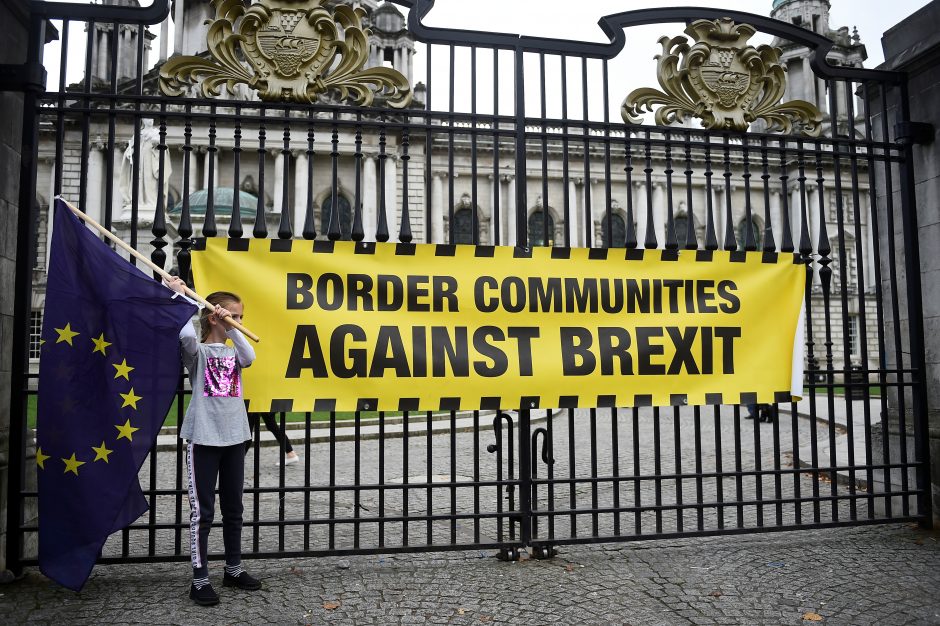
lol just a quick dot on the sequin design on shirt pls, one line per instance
(221, 378)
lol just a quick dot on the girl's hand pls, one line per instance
(221, 313)
(175, 283)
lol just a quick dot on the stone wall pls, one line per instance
(913, 46)
(13, 16)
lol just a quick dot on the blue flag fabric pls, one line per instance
(109, 368)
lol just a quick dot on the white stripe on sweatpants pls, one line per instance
(194, 516)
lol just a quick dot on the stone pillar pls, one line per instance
(806, 81)
(870, 242)
(718, 207)
(812, 210)
(437, 208)
(120, 200)
(639, 210)
(391, 196)
(510, 204)
(659, 213)
(178, 28)
(776, 218)
(796, 214)
(301, 189)
(278, 181)
(369, 210)
(94, 183)
(164, 40)
(194, 159)
(576, 189)
(912, 47)
(104, 56)
(51, 209)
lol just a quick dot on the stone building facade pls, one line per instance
(442, 205)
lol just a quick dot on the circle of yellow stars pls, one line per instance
(130, 399)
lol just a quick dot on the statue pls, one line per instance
(148, 172)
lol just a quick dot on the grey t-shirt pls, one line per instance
(216, 415)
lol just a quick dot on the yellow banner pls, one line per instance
(362, 326)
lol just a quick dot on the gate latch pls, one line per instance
(913, 133)
(22, 77)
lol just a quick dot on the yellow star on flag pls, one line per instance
(127, 431)
(42, 342)
(66, 334)
(130, 399)
(41, 458)
(123, 369)
(72, 465)
(101, 344)
(102, 452)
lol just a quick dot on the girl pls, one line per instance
(215, 429)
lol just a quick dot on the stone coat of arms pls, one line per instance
(723, 81)
(289, 50)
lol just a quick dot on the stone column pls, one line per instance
(796, 214)
(369, 210)
(178, 29)
(776, 218)
(718, 207)
(812, 210)
(278, 180)
(391, 196)
(120, 201)
(104, 64)
(194, 159)
(639, 211)
(659, 213)
(807, 81)
(870, 242)
(301, 189)
(50, 211)
(164, 39)
(576, 188)
(437, 208)
(510, 205)
(94, 183)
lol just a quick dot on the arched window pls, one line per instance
(463, 226)
(344, 214)
(742, 234)
(681, 223)
(618, 231)
(537, 229)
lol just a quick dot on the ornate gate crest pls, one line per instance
(723, 81)
(296, 51)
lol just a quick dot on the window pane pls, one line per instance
(463, 226)
(618, 232)
(537, 230)
(345, 217)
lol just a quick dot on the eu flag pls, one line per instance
(110, 364)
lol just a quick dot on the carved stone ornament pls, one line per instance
(722, 81)
(289, 50)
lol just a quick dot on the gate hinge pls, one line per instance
(22, 77)
(913, 133)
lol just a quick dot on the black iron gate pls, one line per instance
(511, 141)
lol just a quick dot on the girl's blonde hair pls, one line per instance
(216, 298)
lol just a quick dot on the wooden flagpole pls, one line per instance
(159, 270)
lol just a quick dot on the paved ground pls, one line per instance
(871, 575)
(876, 574)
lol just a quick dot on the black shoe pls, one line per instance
(204, 596)
(242, 581)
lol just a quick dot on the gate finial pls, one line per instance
(296, 51)
(723, 81)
